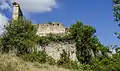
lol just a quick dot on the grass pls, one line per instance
(10, 62)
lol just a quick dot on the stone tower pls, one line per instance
(16, 11)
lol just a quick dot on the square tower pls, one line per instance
(16, 11)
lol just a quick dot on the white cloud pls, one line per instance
(3, 21)
(37, 5)
(27, 6)
(31, 5)
(4, 4)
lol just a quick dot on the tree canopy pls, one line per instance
(19, 35)
(87, 44)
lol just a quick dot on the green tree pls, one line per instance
(87, 44)
(116, 14)
(19, 35)
(106, 64)
(118, 50)
(116, 10)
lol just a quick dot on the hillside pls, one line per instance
(14, 63)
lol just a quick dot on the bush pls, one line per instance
(20, 35)
(66, 62)
(11, 63)
(42, 57)
(39, 56)
(50, 60)
(106, 64)
(45, 40)
(1, 45)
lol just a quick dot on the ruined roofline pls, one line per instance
(52, 23)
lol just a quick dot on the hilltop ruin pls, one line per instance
(42, 29)
(54, 49)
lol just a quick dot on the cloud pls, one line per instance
(31, 5)
(3, 21)
(37, 5)
(4, 5)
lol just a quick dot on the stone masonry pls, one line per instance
(54, 28)
(54, 49)
(16, 11)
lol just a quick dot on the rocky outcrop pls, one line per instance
(54, 49)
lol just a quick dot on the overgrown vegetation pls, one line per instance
(20, 38)
(39, 56)
(44, 40)
(116, 14)
(66, 62)
(9, 62)
(19, 35)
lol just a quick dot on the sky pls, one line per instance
(96, 13)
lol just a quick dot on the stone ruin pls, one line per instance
(54, 28)
(43, 29)
(53, 49)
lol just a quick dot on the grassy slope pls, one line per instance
(14, 63)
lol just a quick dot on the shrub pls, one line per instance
(1, 44)
(50, 60)
(35, 57)
(39, 56)
(43, 40)
(106, 64)
(20, 35)
(11, 63)
(66, 62)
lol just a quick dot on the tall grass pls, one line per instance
(10, 62)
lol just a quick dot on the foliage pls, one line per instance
(64, 59)
(86, 43)
(118, 50)
(35, 56)
(9, 62)
(0, 42)
(116, 14)
(44, 40)
(42, 57)
(66, 62)
(106, 64)
(39, 56)
(49, 22)
(20, 35)
(116, 9)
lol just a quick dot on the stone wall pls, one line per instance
(54, 28)
(54, 49)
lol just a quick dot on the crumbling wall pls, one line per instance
(54, 28)
(55, 49)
